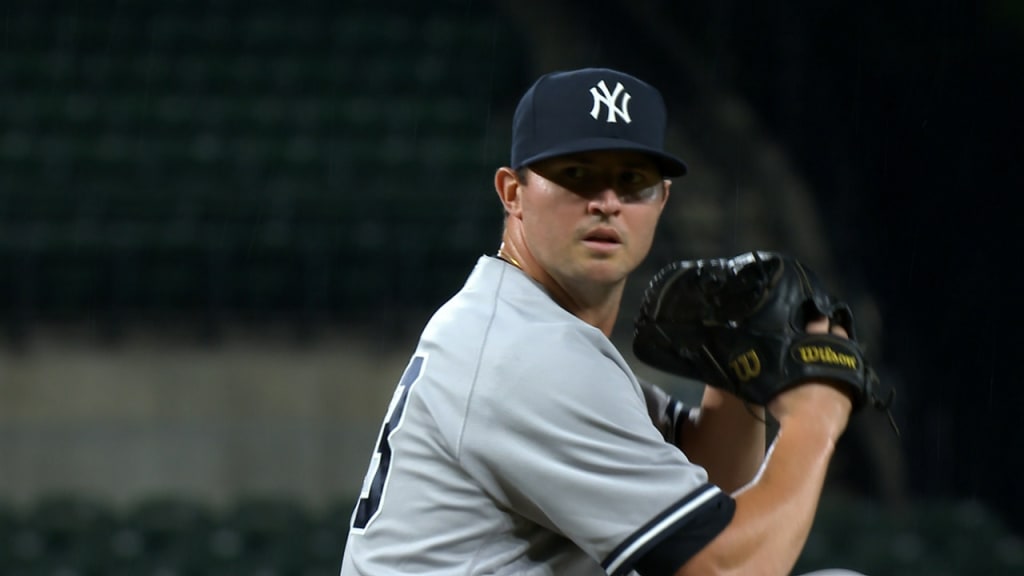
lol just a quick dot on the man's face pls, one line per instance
(590, 217)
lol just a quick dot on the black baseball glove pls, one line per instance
(740, 324)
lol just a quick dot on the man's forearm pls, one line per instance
(774, 515)
(728, 440)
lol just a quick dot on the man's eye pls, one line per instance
(631, 178)
(574, 172)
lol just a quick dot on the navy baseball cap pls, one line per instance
(587, 110)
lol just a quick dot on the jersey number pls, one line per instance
(377, 476)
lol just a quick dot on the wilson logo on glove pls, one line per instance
(747, 366)
(826, 355)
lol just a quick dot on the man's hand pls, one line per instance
(824, 404)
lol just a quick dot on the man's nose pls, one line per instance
(605, 201)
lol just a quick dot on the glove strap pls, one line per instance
(829, 358)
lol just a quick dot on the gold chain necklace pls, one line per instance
(508, 257)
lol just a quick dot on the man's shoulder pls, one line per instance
(498, 296)
(505, 321)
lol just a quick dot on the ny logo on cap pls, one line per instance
(609, 99)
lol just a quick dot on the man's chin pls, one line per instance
(608, 271)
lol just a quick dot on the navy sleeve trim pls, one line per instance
(665, 543)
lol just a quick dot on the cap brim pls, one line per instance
(670, 165)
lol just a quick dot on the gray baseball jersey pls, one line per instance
(518, 441)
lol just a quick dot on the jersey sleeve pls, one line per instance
(559, 430)
(667, 412)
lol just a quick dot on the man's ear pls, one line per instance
(664, 199)
(507, 185)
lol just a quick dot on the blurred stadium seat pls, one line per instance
(217, 160)
(165, 535)
(168, 536)
(62, 534)
(934, 538)
(260, 535)
(8, 521)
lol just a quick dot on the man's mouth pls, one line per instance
(603, 236)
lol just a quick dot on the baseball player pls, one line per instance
(519, 441)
